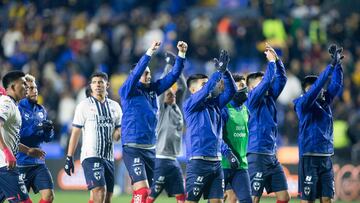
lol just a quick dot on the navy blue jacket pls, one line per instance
(262, 109)
(30, 134)
(203, 118)
(139, 103)
(315, 116)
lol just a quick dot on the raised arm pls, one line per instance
(310, 96)
(229, 89)
(200, 96)
(337, 78)
(166, 82)
(279, 80)
(139, 69)
(280, 75)
(335, 85)
(257, 94)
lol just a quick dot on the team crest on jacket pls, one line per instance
(41, 115)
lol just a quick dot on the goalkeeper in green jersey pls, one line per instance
(235, 135)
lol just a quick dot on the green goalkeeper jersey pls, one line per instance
(236, 133)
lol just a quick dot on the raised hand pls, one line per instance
(155, 46)
(272, 50)
(222, 63)
(182, 46)
(270, 54)
(336, 54)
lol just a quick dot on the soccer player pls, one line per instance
(139, 101)
(235, 134)
(99, 118)
(167, 174)
(316, 175)
(202, 112)
(12, 187)
(35, 129)
(264, 168)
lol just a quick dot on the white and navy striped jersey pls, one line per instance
(98, 122)
(11, 117)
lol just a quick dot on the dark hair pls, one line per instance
(193, 78)
(253, 76)
(99, 74)
(308, 80)
(88, 91)
(11, 76)
(238, 77)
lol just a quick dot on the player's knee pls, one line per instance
(282, 196)
(47, 195)
(216, 201)
(231, 197)
(98, 192)
(50, 196)
(140, 184)
(256, 199)
(326, 200)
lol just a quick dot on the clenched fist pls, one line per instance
(182, 46)
(155, 45)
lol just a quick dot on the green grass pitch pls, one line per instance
(82, 197)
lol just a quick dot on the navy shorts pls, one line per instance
(239, 181)
(140, 163)
(12, 187)
(204, 177)
(316, 178)
(36, 177)
(99, 173)
(266, 172)
(168, 176)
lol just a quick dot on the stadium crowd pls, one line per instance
(63, 42)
